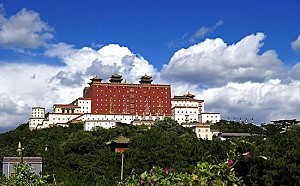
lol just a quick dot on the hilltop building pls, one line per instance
(104, 104)
(187, 109)
(123, 98)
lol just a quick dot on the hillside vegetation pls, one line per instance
(77, 157)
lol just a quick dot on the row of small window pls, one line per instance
(120, 110)
(87, 102)
(59, 118)
(119, 87)
(184, 119)
(141, 92)
(187, 105)
(136, 105)
(119, 100)
(211, 116)
(186, 112)
(38, 115)
(105, 95)
(38, 112)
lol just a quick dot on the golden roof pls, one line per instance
(146, 77)
(189, 95)
(96, 78)
(115, 76)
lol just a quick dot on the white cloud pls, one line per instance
(24, 86)
(25, 30)
(296, 44)
(106, 61)
(203, 31)
(236, 80)
(189, 38)
(270, 100)
(27, 85)
(60, 50)
(213, 62)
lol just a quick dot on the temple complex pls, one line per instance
(104, 104)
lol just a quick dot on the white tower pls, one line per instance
(37, 117)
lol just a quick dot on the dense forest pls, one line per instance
(77, 157)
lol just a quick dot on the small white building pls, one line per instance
(85, 104)
(186, 108)
(207, 117)
(89, 125)
(37, 117)
(110, 120)
(203, 131)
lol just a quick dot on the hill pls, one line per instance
(77, 157)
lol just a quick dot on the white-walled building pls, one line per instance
(186, 108)
(110, 120)
(85, 104)
(207, 117)
(62, 115)
(89, 125)
(37, 117)
(203, 131)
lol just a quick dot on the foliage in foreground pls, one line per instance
(203, 174)
(23, 176)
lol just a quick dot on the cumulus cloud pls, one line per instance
(23, 86)
(59, 50)
(270, 100)
(25, 29)
(214, 63)
(296, 44)
(44, 85)
(108, 60)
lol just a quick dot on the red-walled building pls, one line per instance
(117, 97)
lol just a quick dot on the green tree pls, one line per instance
(24, 176)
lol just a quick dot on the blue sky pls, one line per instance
(147, 27)
(174, 41)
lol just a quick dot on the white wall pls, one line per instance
(89, 125)
(186, 111)
(85, 105)
(182, 115)
(209, 117)
(203, 132)
(61, 117)
(38, 112)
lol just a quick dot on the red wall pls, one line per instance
(134, 96)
